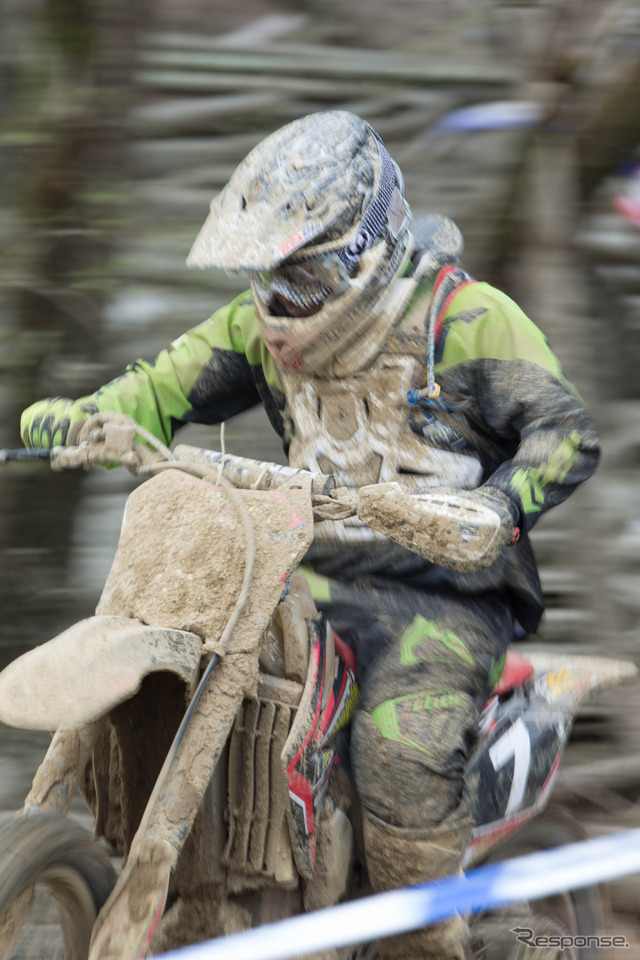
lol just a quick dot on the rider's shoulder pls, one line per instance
(241, 307)
(480, 310)
(479, 294)
(239, 314)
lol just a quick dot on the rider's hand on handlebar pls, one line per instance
(505, 508)
(54, 422)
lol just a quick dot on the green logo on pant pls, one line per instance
(401, 718)
(422, 629)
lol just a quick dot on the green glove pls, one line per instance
(55, 421)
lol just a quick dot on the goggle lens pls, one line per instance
(304, 283)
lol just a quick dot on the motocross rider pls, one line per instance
(348, 298)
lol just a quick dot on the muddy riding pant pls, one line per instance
(426, 663)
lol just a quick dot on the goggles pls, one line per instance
(304, 283)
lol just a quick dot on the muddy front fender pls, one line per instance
(89, 669)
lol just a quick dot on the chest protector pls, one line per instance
(359, 428)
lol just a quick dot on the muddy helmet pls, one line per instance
(316, 216)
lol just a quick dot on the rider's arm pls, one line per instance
(205, 376)
(523, 399)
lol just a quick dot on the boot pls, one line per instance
(399, 857)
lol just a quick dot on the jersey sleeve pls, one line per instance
(205, 376)
(523, 400)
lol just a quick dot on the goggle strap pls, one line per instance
(376, 214)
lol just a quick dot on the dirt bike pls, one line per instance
(203, 714)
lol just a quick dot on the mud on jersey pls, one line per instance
(497, 373)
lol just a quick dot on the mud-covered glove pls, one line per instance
(55, 421)
(505, 508)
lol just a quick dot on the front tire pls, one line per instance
(54, 879)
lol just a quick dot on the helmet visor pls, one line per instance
(304, 283)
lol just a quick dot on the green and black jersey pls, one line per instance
(495, 369)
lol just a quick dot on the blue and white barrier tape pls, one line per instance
(511, 881)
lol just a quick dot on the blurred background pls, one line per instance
(120, 119)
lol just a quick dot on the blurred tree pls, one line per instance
(63, 138)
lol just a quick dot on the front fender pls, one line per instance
(89, 669)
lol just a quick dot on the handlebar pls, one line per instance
(113, 439)
(35, 453)
(248, 474)
(459, 529)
